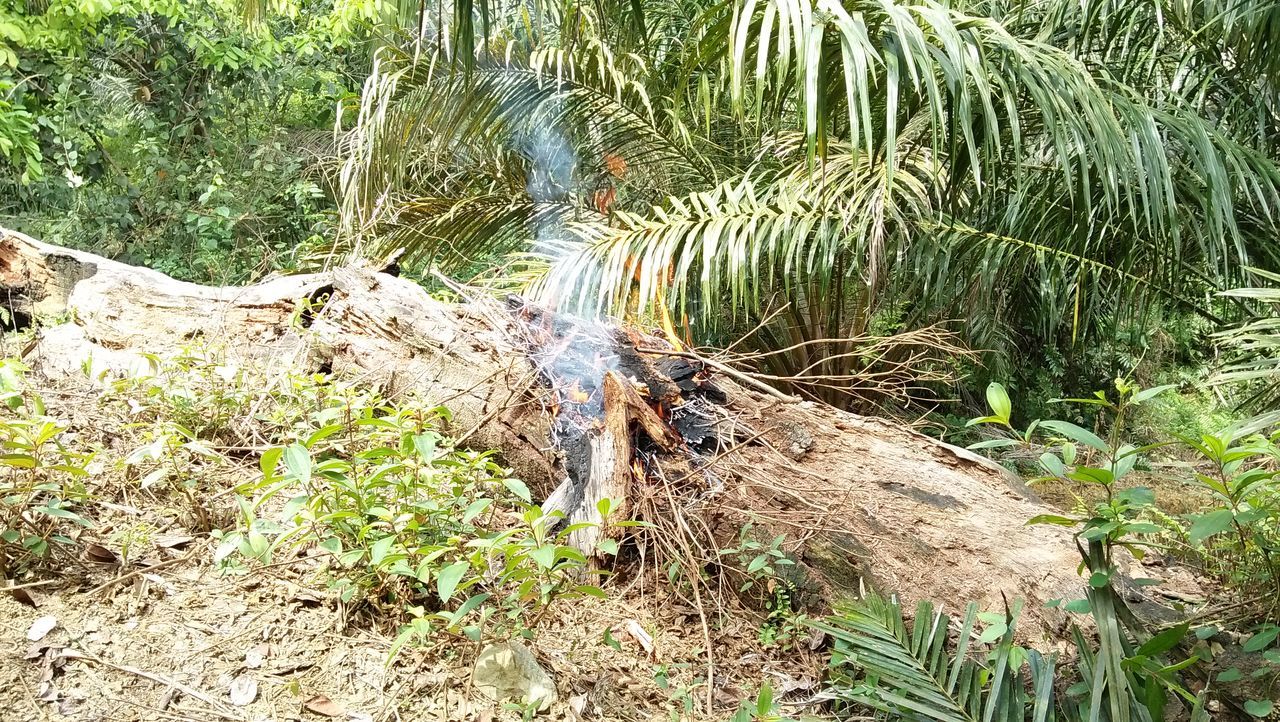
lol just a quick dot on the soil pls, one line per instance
(172, 646)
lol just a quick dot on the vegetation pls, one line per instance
(1050, 175)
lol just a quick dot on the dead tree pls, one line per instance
(859, 500)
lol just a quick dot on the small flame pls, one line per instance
(576, 394)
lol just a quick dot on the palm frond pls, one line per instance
(992, 99)
(589, 105)
(1252, 348)
(917, 674)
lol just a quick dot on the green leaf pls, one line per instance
(992, 444)
(425, 445)
(764, 700)
(18, 461)
(1052, 519)
(1078, 606)
(448, 578)
(1077, 434)
(608, 546)
(993, 632)
(297, 459)
(1230, 675)
(1204, 526)
(544, 555)
(1099, 580)
(1137, 496)
(476, 508)
(998, 400)
(471, 603)
(517, 487)
(1152, 392)
(1052, 464)
(1259, 707)
(381, 549)
(1262, 639)
(1206, 632)
(1164, 641)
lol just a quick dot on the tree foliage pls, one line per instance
(174, 133)
(1038, 169)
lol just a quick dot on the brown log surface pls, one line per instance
(857, 498)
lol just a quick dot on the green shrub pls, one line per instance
(41, 479)
(442, 538)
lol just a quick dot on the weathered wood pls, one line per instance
(856, 498)
(608, 473)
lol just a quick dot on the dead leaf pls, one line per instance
(307, 599)
(244, 690)
(172, 541)
(100, 554)
(616, 164)
(254, 657)
(41, 627)
(576, 394)
(321, 704)
(25, 596)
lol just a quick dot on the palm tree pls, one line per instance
(831, 167)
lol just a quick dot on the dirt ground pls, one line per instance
(187, 643)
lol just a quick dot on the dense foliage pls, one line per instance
(173, 134)
(1049, 173)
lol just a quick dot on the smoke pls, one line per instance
(551, 178)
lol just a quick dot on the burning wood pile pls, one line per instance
(699, 455)
(619, 399)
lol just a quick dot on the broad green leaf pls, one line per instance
(1259, 707)
(1164, 641)
(1078, 606)
(476, 508)
(297, 459)
(448, 578)
(380, 549)
(1204, 526)
(998, 400)
(1076, 433)
(764, 700)
(425, 446)
(1263, 639)
(471, 603)
(1230, 675)
(1052, 464)
(269, 460)
(544, 555)
(517, 487)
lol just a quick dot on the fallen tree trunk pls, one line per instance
(858, 499)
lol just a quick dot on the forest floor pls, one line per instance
(145, 626)
(184, 642)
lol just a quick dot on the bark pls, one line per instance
(860, 500)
